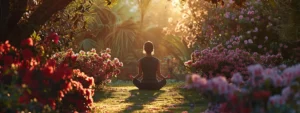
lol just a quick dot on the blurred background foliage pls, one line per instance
(124, 25)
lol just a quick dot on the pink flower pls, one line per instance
(227, 15)
(245, 42)
(237, 78)
(229, 46)
(255, 70)
(276, 99)
(286, 92)
(259, 46)
(241, 17)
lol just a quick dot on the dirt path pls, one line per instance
(126, 98)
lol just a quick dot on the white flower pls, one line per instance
(255, 29)
(266, 37)
(250, 41)
(276, 99)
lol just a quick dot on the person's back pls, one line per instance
(149, 68)
(149, 71)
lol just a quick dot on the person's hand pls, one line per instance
(159, 78)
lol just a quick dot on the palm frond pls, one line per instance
(121, 39)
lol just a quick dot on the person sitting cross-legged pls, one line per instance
(149, 76)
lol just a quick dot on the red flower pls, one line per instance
(245, 110)
(73, 58)
(6, 46)
(224, 108)
(8, 60)
(90, 81)
(234, 99)
(48, 71)
(24, 98)
(26, 42)
(27, 54)
(169, 76)
(261, 94)
(51, 62)
(27, 77)
(54, 38)
(131, 77)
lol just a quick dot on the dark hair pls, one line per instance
(148, 47)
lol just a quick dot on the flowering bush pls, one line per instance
(91, 63)
(80, 98)
(221, 61)
(41, 84)
(265, 91)
(253, 27)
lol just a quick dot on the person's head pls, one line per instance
(148, 48)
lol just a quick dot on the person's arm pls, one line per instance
(158, 74)
(140, 74)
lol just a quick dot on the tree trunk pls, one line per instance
(36, 20)
(10, 16)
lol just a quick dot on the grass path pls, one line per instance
(125, 98)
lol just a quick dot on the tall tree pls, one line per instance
(13, 10)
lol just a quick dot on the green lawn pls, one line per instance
(124, 97)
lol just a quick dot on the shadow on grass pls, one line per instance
(192, 101)
(139, 98)
(101, 95)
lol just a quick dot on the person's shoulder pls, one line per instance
(156, 59)
(141, 59)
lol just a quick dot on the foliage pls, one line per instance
(221, 61)
(39, 84)
(266, 90)
(122, 38)
(88, 44)
(99, 66)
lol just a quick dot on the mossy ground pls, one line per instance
(123, 97)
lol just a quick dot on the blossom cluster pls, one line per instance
(46, 84)
(266, 90)
(252, 27)
(220, 61)
(99, 66)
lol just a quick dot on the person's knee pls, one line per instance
(163, 82)
(136, 82)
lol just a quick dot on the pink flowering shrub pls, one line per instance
(99, 66)
(38, 85)
(220, 61)
(265, 91)
(253, 27)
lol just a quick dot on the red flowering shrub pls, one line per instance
(92, 64)
(80, 98)
(47, 84)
